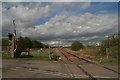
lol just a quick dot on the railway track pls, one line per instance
(75, 58)
(93, 62)
(65, 68)
(83, 70)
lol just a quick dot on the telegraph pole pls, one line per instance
(13, 45)
(49, 52)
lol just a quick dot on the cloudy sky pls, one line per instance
(61, 22)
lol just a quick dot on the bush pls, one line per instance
(54, 57)
(76, 45)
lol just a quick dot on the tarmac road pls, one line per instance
(29, 69)
(48, 69)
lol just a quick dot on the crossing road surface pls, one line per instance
(89, 68)
(44, 69)
(38, 69)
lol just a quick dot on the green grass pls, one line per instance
(94, 58)
(111, 62)
(44, 57)
(103, 61)
(6, 55)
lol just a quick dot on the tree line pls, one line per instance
(110, 45)
(24, 42)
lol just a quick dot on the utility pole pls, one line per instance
(49, 52)
(107, 56)
(107, 49)
(13, 45)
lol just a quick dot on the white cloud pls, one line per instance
(28, 14)
(64, 27)
(85, 5)
(60, 27)
(67, 0)
(25, 16)
(0, 23)
(72, 5)
(11, 0)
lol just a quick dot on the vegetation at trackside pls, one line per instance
(110, 62)
(110, 45)
(105, 53)
(95, 58)
(76, 45)
(6, 55)
(54, 57)
(104, 61)
(5, 43)
(24, 42)
(44, 57)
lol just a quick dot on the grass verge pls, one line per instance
(110, 62)
(44, 57)
(103, 61)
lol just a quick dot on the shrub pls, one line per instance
(76, 45)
